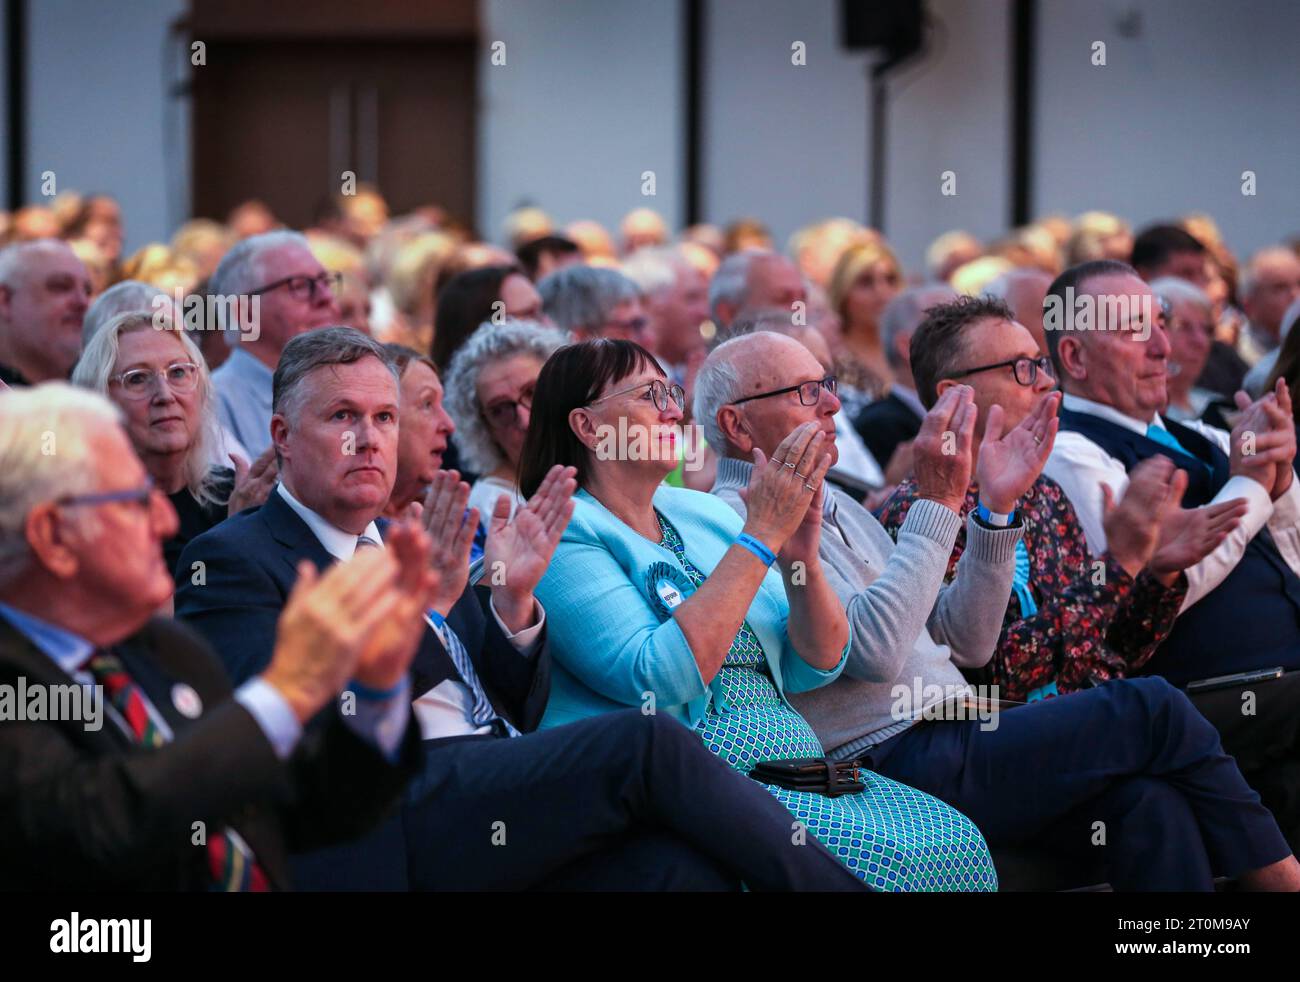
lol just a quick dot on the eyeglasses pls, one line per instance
(138, 383)
(809, 392)
(303, 287)
(659, 392)
(142, 496)
(1025, 369)
(506, 412)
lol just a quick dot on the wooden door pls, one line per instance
(282, 119)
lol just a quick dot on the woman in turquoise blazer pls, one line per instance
(664, 598)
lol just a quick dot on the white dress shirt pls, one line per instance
(447, 709)
(1080, 467)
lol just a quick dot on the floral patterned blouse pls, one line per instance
(1094, 622)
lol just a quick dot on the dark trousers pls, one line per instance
(621, 801)
(1129, 767)
(1259, 725)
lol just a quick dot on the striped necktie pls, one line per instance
(483, 714)
(231, 863)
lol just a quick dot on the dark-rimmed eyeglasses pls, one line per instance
(506, 412)
(809, 392)
(1025, 369)
(142, 496)
(303, 287)
(660, 392)
(139, 383)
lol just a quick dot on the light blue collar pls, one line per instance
(69, 651)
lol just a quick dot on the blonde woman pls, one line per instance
(866, 278)
(156, 376)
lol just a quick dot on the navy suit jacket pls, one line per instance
(249, 566)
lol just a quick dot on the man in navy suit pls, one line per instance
(624, 802)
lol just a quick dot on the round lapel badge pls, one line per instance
(667, 587)
(186, 701)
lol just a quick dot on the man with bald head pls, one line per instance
(1135, 755)
(754, 279)
(893, 421)
(1023, 290)
(44, 292)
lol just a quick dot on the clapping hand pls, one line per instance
(1133, 524)
(252, 484)
(518, 550)
(326, 624)
(451, 531)
(941, 452)
(1010, 463)
(1266, 428)
(783, 499)
(1188, 535)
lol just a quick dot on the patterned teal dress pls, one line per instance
(890, 835)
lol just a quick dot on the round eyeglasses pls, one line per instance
(139, 383)
(658, 391)
(506, 412)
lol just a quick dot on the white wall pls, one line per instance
(1207, 90)
(591, 96)
(96, 107)
(788, 143)
(589, 99)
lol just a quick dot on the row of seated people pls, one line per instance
(551, 705)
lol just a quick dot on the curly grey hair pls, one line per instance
(489, 343)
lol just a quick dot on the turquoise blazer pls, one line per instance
(614, 645)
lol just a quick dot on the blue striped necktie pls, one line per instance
(483, 714)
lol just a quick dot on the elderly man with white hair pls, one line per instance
(112, 799)
(1133, 754)
(44, 291)
(276, 289)
(596, 302)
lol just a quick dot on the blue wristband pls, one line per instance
(367, 694)
(765, 555)
(994, 518)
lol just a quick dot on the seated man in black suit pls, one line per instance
(131, 765)
(893, 421)
(625, 801)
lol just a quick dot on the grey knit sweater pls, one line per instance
(910, 631)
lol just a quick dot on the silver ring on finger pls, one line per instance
(809, 487)
(789, 465)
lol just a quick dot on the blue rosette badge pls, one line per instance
(666, 586)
